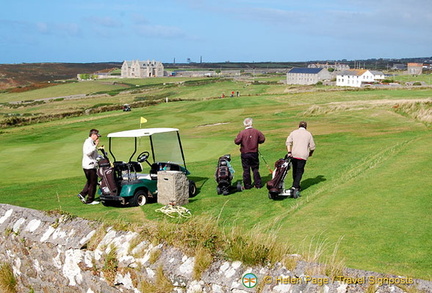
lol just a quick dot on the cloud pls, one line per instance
(138, 19)
(31, 30)
(104, 21)
(58, 29)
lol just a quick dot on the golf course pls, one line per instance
(366, 199)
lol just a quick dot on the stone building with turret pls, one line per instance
(142, 69)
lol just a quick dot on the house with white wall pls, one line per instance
(354, 77)
(142, 69)
(378, 75)
(306, 76)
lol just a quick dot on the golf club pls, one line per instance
(271, 171)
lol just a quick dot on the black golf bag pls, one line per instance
(276, 185)
(224, 175)
(107, 173)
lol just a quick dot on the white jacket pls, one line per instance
(90, 154)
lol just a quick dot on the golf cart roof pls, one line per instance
(141, 132)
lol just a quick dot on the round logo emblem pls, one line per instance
(249, 280)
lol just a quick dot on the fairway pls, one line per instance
(367, 187)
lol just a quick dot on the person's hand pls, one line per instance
(289, 154)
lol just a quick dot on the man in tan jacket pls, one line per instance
(300, 146)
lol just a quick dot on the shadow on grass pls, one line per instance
(304, 184)
(312, 181)
(199, 182)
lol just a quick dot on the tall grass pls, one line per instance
(161, 285)
(8, 282)
(421, 111)
(110, 265)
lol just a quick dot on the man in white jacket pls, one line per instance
(89, 164)
(300, 146)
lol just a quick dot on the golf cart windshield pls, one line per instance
(164, 144)
(167, 147)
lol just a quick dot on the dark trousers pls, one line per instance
(298, 166)
(90, 186)
(250, 161)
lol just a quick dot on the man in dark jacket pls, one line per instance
(248, 139)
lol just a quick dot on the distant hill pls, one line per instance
(15, 75)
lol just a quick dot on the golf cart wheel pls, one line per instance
(192, 189)
(272, 195)
(139, 198)
(218, 190)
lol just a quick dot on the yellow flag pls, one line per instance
(143, 120)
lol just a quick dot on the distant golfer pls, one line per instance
(89, 163)
(300, 146)
(248, 139)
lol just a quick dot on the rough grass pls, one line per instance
(161, 285)
(8, 281)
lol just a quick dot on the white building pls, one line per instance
(378, 75)
(354, 77)
(142, 69)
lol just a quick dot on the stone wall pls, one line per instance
(52, 252)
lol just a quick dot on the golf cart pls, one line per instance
(122, 182)
(126, 108)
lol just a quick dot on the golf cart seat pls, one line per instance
(135, 166)
(130, 166)
(162, 166)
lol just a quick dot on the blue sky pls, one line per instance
(214, 30)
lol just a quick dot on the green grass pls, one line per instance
(367, 185)
(61, 90)
(427, 78)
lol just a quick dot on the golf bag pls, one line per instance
(276, 185)
(106, 172)
(224, 175)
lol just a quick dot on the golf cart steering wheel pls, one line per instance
(143, 156)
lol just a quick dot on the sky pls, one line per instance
(213, 30)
